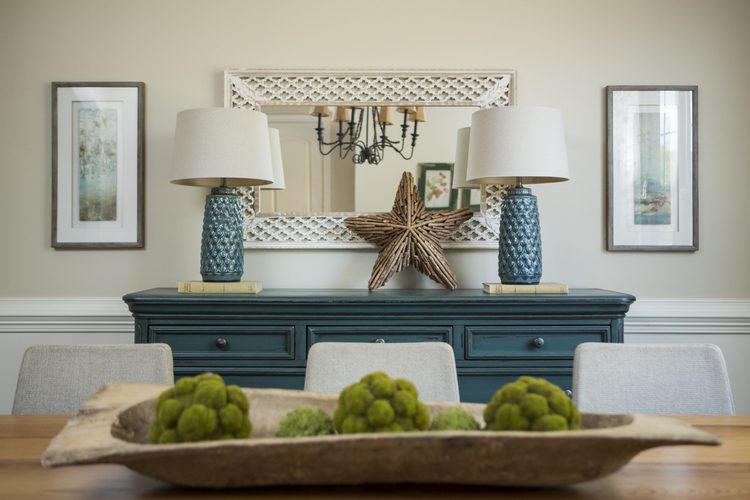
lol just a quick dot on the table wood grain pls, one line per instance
(684, 472)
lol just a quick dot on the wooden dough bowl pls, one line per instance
(112, 427)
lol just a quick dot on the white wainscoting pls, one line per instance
(26, 322)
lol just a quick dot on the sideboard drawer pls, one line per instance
(479, 385)
(235, 342)
(365, 333)
(283, 378)
(531, 341)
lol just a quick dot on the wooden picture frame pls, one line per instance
(97, 164)
(652, 168)
(434, 185)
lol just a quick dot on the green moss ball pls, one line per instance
(378, 403)
(533, 404)
(200, 408)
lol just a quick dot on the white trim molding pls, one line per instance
(646, 316)
(688, 316)
(64, 315)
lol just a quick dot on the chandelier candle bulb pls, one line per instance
(386, 115)
(342, 114)
(321, 111)
(418, 115)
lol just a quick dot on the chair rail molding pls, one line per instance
(64, 315)
(688, 316)
(110, 314)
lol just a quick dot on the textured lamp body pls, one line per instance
(221, 244)
(520, 256)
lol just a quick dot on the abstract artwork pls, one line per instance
(97, 165)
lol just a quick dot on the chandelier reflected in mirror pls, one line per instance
(361, 131)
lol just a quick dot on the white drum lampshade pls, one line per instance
(509, 142)
(221, 147)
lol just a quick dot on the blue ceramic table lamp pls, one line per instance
(222, 148)
(518, 145)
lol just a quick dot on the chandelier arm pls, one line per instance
(411, 153)
(354, 132)
(333, 147)
(384, 140)
(414, 135)
(405, 126)
(340, 134)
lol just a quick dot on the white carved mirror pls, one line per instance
(307, 215)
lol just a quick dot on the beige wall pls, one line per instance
(565, 53)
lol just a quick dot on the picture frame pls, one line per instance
(652, 168)
(434, 185)
(97, 165)
(471, 198)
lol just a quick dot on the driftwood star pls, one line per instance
(409, 235)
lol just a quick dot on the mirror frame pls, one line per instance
(255, 88)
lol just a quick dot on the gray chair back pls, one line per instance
(60, 378)
(678, 379)
(431, 366)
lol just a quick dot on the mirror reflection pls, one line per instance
(318, 184)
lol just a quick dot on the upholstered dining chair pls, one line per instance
(60, 378)
(431, 366)
(688, 379)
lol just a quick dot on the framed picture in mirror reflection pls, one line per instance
(471, 198)
(434, 183)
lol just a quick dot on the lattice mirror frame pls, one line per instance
(253, 89)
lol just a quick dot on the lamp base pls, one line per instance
(221, 244)
(520, 253)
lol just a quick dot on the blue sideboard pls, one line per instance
(262, 340)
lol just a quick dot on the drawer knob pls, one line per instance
(539, 342)
(221, 342)
(380, 341)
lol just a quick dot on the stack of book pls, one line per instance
(219, 287)
(501, 288)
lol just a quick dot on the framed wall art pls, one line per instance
(97, 164)
(652, 150)
(434, 184)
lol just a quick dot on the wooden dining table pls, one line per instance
(672, 472)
